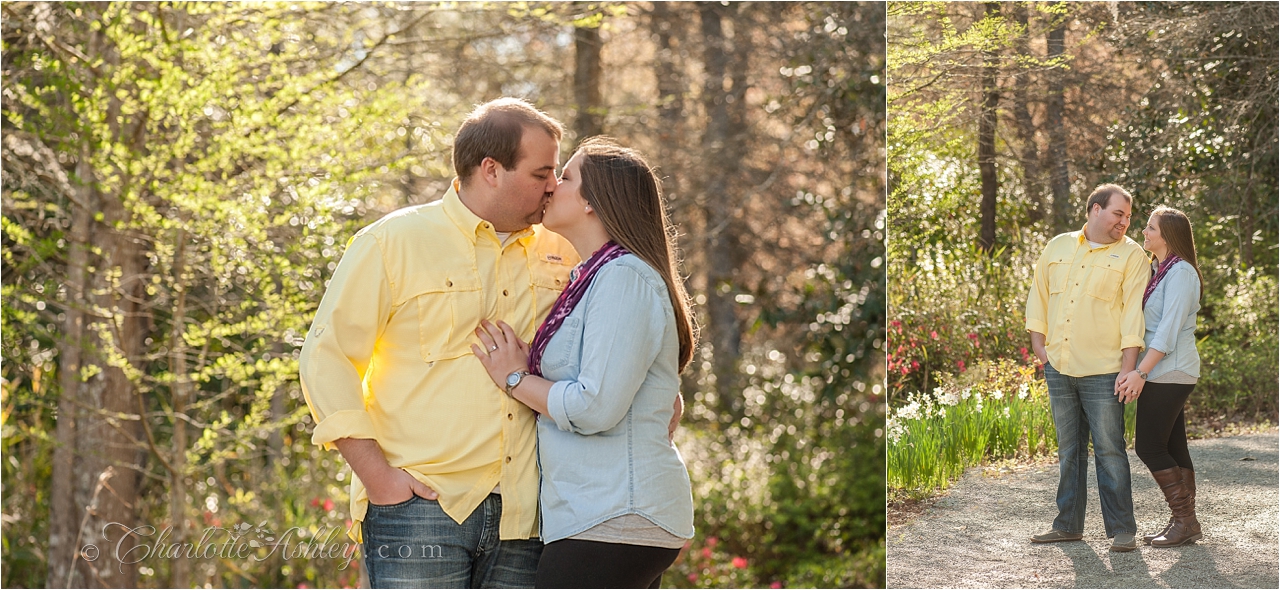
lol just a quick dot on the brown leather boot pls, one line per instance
(1149, 537)
(1164, 478)
(1179, 494)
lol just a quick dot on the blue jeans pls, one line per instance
(414, 544)
(1082, 405)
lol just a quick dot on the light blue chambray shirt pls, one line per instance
(1170, 314)
(603, 449)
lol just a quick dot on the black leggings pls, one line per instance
(571, 563)
(1161, 437)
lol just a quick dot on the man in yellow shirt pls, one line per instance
(1084, 314)
(445, 492)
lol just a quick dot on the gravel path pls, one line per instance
(977, 535)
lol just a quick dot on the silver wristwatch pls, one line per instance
(514, 379)
(1140, 374)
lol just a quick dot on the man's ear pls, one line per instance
(489, 169)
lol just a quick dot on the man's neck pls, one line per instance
(1092, 238)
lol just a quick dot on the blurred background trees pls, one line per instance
(180, 180)
(1003, 118)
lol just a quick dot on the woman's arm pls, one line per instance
(623, 328)
(1181, 294)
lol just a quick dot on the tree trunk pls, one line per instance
(64, 516)
(1030, 155)
(107, 433)
(722, 326)
(180, 574)
(108, 430)
(987, 142)
(1059, 182)
(586, 82)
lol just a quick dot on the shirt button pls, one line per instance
(508, 459)
(504, 292)
(511, 416)
(448, 283)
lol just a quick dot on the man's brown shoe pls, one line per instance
(1055, 536)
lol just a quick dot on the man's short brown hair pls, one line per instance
(494, 130)
(1102, 196)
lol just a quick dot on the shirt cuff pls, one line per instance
(555, 405)
(1037, 326)
(1132, 342)
(344, 424)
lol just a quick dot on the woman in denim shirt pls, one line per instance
(603, 375)
(1168, 370)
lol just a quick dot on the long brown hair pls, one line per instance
(624, 192)
(1175, 230)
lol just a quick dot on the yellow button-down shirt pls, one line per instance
(1088, 303)
(388, 356)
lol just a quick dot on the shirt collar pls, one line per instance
(468, 222)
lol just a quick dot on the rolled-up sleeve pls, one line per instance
(1137, 271)
(1181, 293)
(1038, 298)
(332, 365)
(623, 328)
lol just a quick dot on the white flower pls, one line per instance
(1006, 411)
(947, 398)
(894, 430)
(1024, 390)
(997, 394)
(910, 411)
(968, 391)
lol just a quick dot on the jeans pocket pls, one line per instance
(385, 507)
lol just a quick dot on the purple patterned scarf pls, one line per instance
(1155, 280)
(579, 280)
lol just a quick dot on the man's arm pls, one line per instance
(384, 484)
(1037, 346)
(1037, 312)
(352, 314)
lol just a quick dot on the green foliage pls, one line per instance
(955, 309)
(1238, 358)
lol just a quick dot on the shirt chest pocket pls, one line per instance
(1104, 282)
(548, 281)
(1058, 271)
(449, 310)
(563, 352)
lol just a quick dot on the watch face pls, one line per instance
(513, 379)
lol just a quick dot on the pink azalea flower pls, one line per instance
(739, 562)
